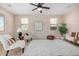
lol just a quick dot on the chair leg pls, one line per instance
(7, 53)
(31, 39)
(27, 41)
(22, 50)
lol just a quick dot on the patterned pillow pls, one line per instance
(73, 34)
(11, 41)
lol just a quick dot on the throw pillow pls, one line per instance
(73, 34)
(11, 41)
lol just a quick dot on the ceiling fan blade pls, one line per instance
(33, 4)
(45, 7)
(42, 3)
(35, 9)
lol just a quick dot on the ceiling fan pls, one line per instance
(39, 6)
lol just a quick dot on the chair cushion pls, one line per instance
(19, 43)
(68, 37)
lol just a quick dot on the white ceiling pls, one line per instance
(26, 8)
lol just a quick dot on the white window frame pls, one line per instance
(53, 26)
(3, 23)
(24, 24)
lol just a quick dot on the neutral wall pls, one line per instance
(72, 20)
(45, 19)
(12, 23)
(9, 22)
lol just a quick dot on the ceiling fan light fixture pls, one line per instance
(39, 9)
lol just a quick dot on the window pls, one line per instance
(38, 26)
(53, 23)
(24, 23)
(1, 23)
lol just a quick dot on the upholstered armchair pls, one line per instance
(74, 37)
(4, 40)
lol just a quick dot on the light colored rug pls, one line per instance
(44, 48)
(56, 47)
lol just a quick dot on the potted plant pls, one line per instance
(63, 30)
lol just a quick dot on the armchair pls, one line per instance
(4, 40)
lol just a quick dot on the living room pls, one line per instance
(38, 25)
